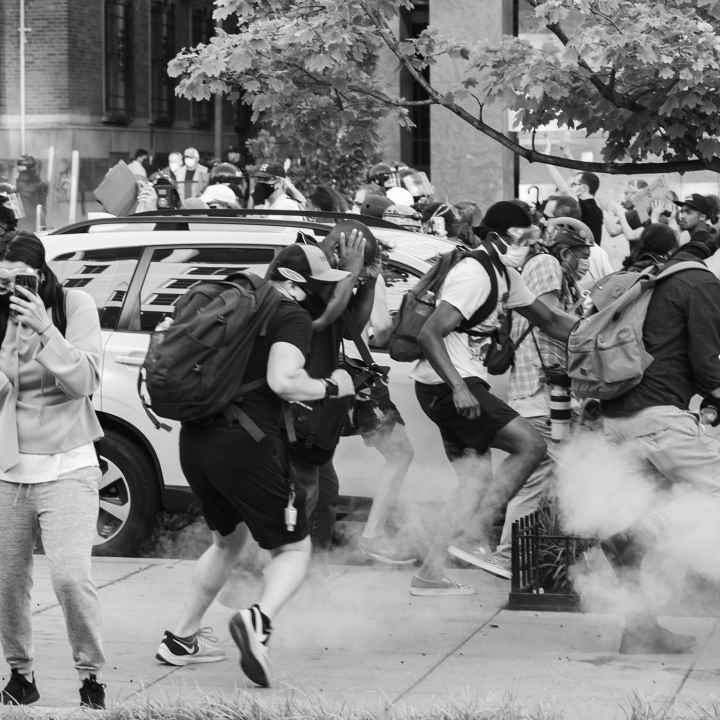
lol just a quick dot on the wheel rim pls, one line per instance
(115, 502)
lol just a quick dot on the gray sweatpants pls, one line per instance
(65, 511)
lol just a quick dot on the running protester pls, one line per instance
(452, 388)
(245, 486)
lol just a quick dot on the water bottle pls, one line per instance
(560, 404)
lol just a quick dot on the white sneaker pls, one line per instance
(246, 628)
(202, 647)
(471, 554)
(496, 565)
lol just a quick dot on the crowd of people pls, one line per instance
(507, 295)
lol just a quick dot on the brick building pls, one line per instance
(95, 83)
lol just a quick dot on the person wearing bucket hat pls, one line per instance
(243, 480)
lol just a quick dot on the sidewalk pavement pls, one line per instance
(355, 637)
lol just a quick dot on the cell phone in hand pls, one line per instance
(28, 281)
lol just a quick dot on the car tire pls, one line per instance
(129, 496)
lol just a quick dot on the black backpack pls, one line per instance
(419, 303)
(194, 370)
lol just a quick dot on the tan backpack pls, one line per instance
(606, 353)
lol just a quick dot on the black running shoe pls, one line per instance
(19, 690)
(92, 694)
(246, 628)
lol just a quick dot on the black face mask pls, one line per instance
(261, 193)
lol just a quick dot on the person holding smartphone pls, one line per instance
(49, 369)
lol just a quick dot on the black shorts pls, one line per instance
(460, 433)
(239, 480)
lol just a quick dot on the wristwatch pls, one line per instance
(331, 388)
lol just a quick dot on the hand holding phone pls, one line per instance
(28, 281)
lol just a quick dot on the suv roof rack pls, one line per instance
(309, 219)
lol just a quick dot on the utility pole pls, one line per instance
(22, 29)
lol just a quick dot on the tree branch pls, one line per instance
(611, 168)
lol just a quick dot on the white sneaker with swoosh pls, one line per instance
(202, 647)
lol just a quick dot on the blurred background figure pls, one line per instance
(31, 191)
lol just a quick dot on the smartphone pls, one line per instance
(27, 281)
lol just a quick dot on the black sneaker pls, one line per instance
(251, 635)
(19, 690)
(92, 694)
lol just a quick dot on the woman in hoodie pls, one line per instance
(49, 369)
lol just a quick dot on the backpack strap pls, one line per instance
(487, 308)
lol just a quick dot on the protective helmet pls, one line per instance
(399, 196)
(404, 216)
(379, 173)
(567, 232)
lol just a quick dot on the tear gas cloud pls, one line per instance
(602, 491)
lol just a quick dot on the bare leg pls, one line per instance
(284, 574)
(212, 570)
(526, 449)
(395, 447)
(472, 471)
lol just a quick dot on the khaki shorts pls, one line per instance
(674, 442)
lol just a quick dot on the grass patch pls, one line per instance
(248, 707)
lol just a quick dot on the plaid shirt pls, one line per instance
(542, 274)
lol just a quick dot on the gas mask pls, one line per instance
(262, 192)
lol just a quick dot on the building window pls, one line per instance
(118, 61)
(415, 142)
(202, 29)
(162, 33)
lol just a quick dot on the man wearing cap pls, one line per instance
(551, 268)
(695, 214)
(451, 384)
(244, 485)
(273, 189)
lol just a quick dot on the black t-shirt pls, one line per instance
(291, 324)
(592, 216)
(325, 344)
(682, 333)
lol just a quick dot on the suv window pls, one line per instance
(104, 274)
(398, 279)
(173, 271)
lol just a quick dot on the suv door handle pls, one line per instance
(135, 359)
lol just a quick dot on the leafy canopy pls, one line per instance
(646, 75)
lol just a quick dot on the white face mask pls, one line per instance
(515, 256)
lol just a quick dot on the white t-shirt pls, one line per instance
(283, 203)
(33, 469)
(466, 287)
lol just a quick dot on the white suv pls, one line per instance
(136, 268)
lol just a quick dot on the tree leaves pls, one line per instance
(643, 75)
